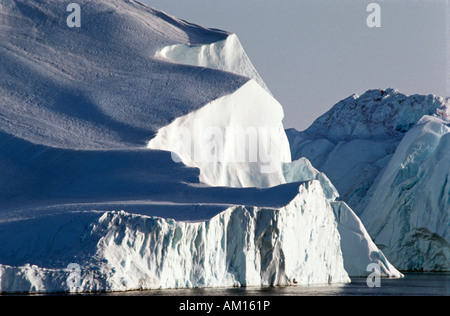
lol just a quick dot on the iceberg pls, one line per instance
(102, 188)
(118, 251)
(354, 141)
(409, 212)
(387, 155)
(358, 249)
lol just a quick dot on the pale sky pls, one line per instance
(314, 53)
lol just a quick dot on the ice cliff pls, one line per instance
(241, 246)
(409, 211)
(387, 155)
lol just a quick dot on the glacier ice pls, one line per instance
(409, 212)
(241, 246)
(387, 155)
(357, 247)
(89, 129)
(353, 142)
(247, 149)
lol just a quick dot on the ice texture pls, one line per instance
(409, 212)
(241, 246)
(387, 155)
(93, 196)
(357, 247)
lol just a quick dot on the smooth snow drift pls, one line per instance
(99, 86)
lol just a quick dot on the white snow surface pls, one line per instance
(100, 85)
(237, 140)
(87, 119)
(387, 155)
(227, 55)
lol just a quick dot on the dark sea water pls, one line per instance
(413, 284)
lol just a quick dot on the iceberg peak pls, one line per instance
(376, 114)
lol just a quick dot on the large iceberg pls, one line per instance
(409, 211)
(387, 155)
(353, 142)
(101, 188)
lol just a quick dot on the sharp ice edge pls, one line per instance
(394, 175)
(227, 55)
(242, 246)
(234, 117)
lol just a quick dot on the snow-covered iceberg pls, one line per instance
(409, 211)
(99, 191)
(387, 155)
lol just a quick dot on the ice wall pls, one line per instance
(357, 247)
(409, 212)
(242, 246)
(389, 163)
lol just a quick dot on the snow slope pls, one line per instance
(380, 150)
(101, 81)
(107, 83)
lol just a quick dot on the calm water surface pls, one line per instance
(420, 284)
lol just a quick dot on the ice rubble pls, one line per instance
(75, 118)
(361, 145)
